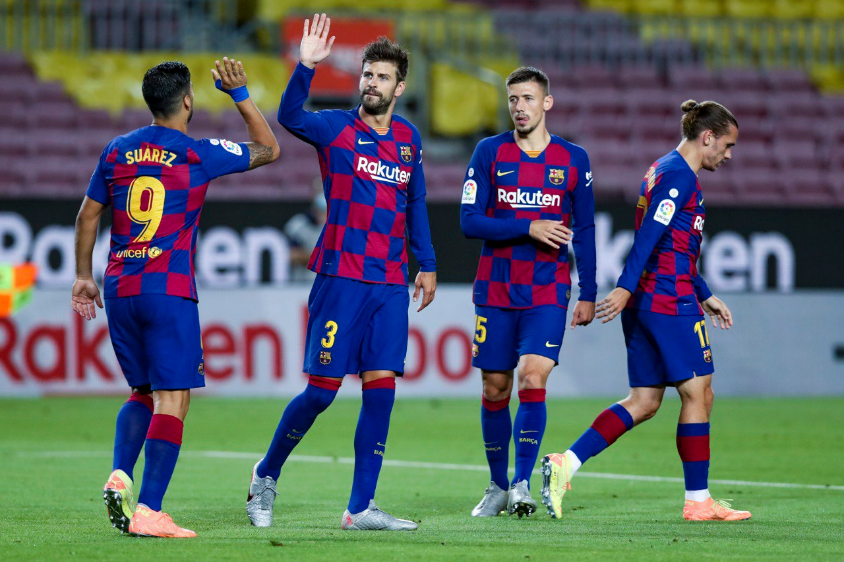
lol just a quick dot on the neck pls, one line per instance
(376, 121)
(691, 155)
(180, 123)
(536, 140)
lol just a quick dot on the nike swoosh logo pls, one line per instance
(499, 173)
(700, 202)
(549, 344)
(490, 443)
(380, 444)
(365, 142)
(531, 431)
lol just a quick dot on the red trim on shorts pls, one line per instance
(326, 383)
(145, 399)
(166, 428)
(532, 395)
(495, 405)
(386, 382)
(693, 449)
(609, 425)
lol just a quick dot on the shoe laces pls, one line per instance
(722, 504)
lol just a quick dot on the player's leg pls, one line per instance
(382, 355)
(134, 416)
(494, 353)
(174, 349)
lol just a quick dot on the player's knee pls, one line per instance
(496, 394)
(530, 381)
(644, 408)
(320, 393)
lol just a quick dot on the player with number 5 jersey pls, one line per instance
(661, 298)
(155, 180)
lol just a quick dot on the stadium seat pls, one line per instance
(829, 9)
(788, 80)
(698, 9)
(743, 80)
(762, 186)
(748, 8)
(792, 9)
(655, 7)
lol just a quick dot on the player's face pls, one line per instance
(528, 104)
(379, 86)
(718, 150)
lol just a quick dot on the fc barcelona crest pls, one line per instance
(557, 176)
(406, 153)
(707, 355)
(325, 357)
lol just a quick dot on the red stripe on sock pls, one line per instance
(144, 399)
(532, 395)
(693, 449)
(327, 384)
(609, 425)
(386, 382)
(494, 406)
(166, 428)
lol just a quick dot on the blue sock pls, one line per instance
(297, 419)
(611, 424)
(496, 428)
(164, 439)
(131, 432)
(693, 446)
(371, 440)
(528, 429)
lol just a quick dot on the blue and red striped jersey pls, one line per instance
(374, 186)
(505, 190)
(661, 269)
(155, 179)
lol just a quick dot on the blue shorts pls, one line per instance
(157, 341)
(663, 349)
(355, 327)
(502, 335)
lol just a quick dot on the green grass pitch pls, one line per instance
(55, 457)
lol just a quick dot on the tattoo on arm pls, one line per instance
(259, 155)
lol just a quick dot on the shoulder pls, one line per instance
(402, 125)
(490, 145)
(673, 167)
(577, 153)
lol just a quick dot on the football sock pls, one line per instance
(164, 439)
(693, 446)
(496, 428)
(131, 432)
(371, 439)
(573, 461)
(297, 419)
(528, 429)
(610, 424)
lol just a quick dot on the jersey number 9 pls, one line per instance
(149, 190)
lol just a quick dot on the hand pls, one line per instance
(613, 304)
(716, 308)
(553, 233)
(427, 282)
(315, 46)
(229, 73)
(584, 313)
(83, 295)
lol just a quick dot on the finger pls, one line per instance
(221, 67)
(550, 242)
(324, 35)
(240, 68)
(99, 301)
(714, 323)
(92, 311)
(215, 75)
(562, 228)
(230, 66)
(320, 25)
(314, 24)
(330, 42)
(305, 30)
(416, 292)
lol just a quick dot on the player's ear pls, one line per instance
(400, 88)
(548, 103)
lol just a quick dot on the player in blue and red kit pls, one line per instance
(371, 163)
(524, 191)
(155, 180)
(663, 322)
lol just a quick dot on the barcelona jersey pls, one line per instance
(505, 190)
(374, 186)
(661, 269)
(155, 179)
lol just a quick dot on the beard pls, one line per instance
(525, 130)
(379, 106)
(190, 114)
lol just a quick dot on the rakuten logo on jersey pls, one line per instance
(528, 199)
(378, 170)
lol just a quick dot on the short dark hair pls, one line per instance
(164, 87)
(709, 115)
(384, 50)
(529, 74)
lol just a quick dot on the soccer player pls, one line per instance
(371, 163)
(155, 179)
(661, 298)
(523, 190)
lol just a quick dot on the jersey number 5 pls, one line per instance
(480, 329)
(145, 205)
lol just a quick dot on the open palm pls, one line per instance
(316, 45)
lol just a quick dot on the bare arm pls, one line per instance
(263, 147)
(85, 292)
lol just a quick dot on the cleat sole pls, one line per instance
(114, 506)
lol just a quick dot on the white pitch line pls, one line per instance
(440, 466)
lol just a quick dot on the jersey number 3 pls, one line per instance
(145, 205)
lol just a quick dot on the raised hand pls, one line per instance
(613, 304)
(316, 45)
(553, 233)
(717, 310)
(230, 73)
(83, 296)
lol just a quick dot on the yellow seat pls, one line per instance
(748, 8)
(656, 7)
(701, 8)
(829, 79)
(623, 6)
(792, 9)
(829, 9)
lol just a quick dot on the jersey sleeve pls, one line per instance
(702, 291)
(314, 127)
(418, 227)
(655, 222)
(477, 188)
(221, 157)
(583, 213)
(98, 186)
